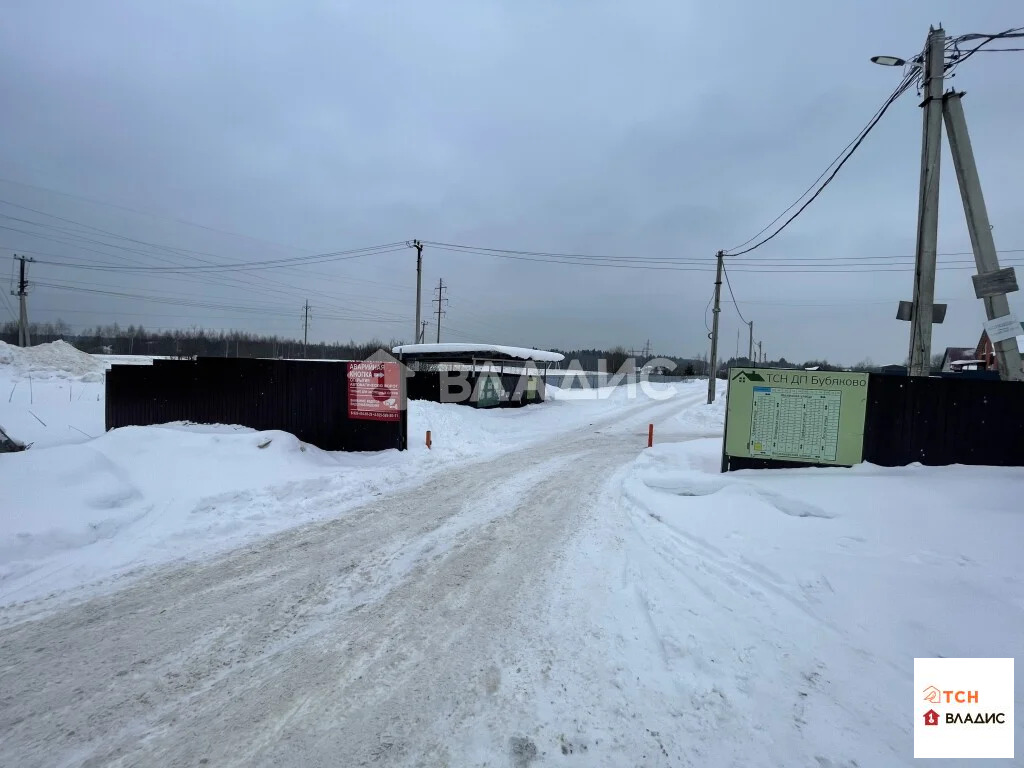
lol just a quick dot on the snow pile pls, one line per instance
(770, 618)
(141, 495)
(56, 359)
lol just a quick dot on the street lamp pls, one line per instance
(888, 61)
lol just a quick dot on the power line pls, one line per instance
(235, 267)
(732, 295)
(852, 148)
(953, 46)
(7, 303)
(807, 191)
(210, 305)
(96, 201)
(790, 267)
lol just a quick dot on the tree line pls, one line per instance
(115, 339)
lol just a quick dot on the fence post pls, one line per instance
(428, 439)
(650, 435)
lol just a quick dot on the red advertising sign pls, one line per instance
(374, 391)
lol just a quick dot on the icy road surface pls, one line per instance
(370, 639)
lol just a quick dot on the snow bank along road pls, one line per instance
(372, 638)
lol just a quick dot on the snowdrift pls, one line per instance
(56, 359)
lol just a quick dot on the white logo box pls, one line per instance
(974, 702)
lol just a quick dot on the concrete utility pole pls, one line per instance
(713, 367)
(989, 287)
(440, 301)
(750, 342)
(22, 293)
(419, 280)
(423, 332)
(305, 328)
(760, 352)
(928, 206)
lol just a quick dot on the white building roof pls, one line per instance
(482, 351)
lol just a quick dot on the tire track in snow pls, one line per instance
(366, 638)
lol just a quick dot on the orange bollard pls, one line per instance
(428, 439)
(650, 435)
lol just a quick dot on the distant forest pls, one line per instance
(136, 340)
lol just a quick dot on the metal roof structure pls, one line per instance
(470, 353)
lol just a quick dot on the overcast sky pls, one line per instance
(662, 129)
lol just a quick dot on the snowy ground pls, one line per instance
(537, 590)
(83, 507)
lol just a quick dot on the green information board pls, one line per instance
(816, 417)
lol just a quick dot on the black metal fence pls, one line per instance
(310, 399)
(932, 420)
(940, 421)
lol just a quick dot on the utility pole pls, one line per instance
(760, 352)
(440, 301)
(419, 279)
(928, 206)
(713, 367)
(22, 293)
(750, 342)
(305, 328)
(988, 287)
(423, 332)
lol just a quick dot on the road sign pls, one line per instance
(994, 283)
(1002, 328)
(906, 309)
(813, 417)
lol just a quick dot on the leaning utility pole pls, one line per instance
(305, 328)
(990, 284)
(22, 293)
(440, 301)
(928, 206)
(423, 332)
(419, 279)
(713, 367)
(750, 342)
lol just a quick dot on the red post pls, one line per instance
(428, 439)
(650, 435)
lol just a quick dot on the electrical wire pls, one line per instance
(807, 191)
(796, 266)
(957, 58)
(7, 303)
(900, 90)
(728, 284)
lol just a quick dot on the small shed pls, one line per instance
(496, 375)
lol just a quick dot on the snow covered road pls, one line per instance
(378, 637)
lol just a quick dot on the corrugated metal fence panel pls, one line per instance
(308, 399)
(940, 421)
